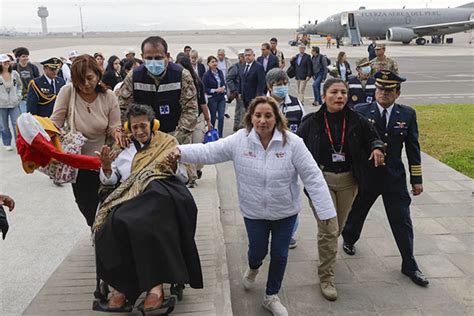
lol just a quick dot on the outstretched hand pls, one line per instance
(173, 157)
(121, 138)
(378, 157)
(106, 157)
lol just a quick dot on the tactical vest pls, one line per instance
(293, 113)
(359, 95)
(164, 98)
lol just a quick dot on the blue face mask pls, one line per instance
(155, 67)
(280, 91)
(365, 70)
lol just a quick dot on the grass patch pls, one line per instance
(447, 133)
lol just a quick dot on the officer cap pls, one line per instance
(380, 46)
(19, 51)
(386, 79)
(53, 62)
(362, 62)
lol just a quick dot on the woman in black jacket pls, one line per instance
(341, 141)
(112, 73)
(343, 67)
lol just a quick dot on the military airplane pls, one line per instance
(399, 25)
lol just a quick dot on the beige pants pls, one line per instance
(343, 189)
(301, 86)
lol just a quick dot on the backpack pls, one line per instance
(328, 61)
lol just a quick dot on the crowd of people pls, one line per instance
(145, 119)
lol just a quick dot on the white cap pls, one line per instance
(4, 57)
(73, 53)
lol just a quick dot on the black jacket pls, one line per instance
(304, 69)
(362, 139)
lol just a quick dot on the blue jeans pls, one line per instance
(258, 232)
(317, 87)
(13, 113)
(23, 106)
(216, 106)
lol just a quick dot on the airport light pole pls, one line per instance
(299, 15)
(80, 16)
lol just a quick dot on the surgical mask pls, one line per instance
(280, 91)
(365, 70)
(155, 67)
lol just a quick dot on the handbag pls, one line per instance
(291, 72)
(71, 142)
(211, 135)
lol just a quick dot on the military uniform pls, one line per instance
(390, 180)
(175, 103)
(386, 64)
(361, 90)
(41, 93)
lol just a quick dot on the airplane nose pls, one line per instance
(300, 29)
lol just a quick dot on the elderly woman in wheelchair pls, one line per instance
(144, 229)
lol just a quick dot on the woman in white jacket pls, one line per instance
(267, 161)
(10, 97)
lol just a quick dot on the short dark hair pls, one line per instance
(139, 110)
(315, 48)
(19, 51)
(186, 47)
(155, 41)
(273, 39)
(330, 81)
(266, 45)
(210, 58)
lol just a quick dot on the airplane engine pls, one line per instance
(400, 34)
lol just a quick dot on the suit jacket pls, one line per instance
(402, 130)
(41, 97)
(252, 83)
(201, 70)
(348, 69)
(210, 82)
(304, 69)
(272, 62)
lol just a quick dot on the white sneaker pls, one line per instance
(273, 304)
(8, 148)
(249, 278)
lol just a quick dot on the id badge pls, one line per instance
(338, 157)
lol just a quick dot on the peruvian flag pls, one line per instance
(35, 145)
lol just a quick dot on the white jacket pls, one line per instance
(267, 180)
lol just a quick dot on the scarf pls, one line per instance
(148, 164)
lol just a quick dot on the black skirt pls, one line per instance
(149, 240)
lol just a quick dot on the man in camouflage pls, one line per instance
(276, 52)
(382, 62)
(166, 87)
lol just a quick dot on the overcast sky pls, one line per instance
(134, 15)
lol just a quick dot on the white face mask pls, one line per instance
(365, 70)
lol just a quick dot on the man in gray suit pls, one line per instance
(302, 65)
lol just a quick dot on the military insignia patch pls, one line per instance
(354, 98)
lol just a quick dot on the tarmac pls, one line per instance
(46, 263)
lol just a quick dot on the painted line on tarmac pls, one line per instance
(440, 81)
(438, 95)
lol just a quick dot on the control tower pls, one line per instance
(43, 14)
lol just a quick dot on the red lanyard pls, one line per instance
(329, 132)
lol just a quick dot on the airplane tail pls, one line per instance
(467, 5)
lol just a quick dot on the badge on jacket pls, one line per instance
(401, 125)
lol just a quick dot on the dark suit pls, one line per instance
(41, 96)
(201, 70)
(272, 62)
(252, 82)
(303, 70)
(390, 180)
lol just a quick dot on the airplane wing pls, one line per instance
(443, 27)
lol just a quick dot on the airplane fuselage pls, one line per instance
(376, 23)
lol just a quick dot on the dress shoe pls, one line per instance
(349, 249)
(117, 301)
(153, 301)
(328, 289)
(417, 277)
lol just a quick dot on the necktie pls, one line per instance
(52, 85)
(384, 118)
(246, 69)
